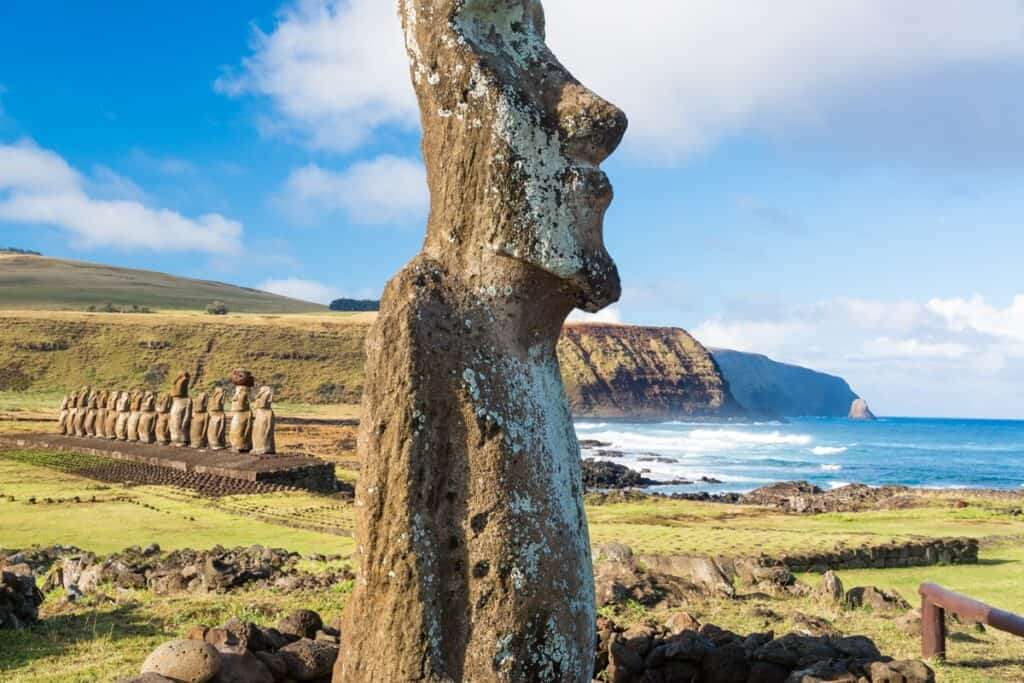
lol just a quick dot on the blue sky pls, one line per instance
(837, 185)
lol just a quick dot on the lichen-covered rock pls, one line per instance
(474, 559)
(877, 599)
(188, 661)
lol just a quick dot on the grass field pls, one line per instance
(41, 283)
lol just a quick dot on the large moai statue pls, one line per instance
(110, 424)
(134, 415)
(263, 442)
(149, 419)
(181, 410)
(474, 558)
(101, 414)
(240, 431)
(82, 410)
(200, 421)
(163, 419)
(216, 429)
(91, 414)
(72, 413)
(62, 420)
(124, 400)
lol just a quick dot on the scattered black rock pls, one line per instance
(598, 475)
(19, 597)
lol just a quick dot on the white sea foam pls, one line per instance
(736, 436)
(829, 450)
(838, 484)
(831, 468)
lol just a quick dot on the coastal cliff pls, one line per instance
(641, 372)
(766, 387)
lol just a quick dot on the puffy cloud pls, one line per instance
(334, 71)
(895, 76)
(38, 187)
(298, 288)
(386, 189)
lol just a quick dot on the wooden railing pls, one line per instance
(936, 601)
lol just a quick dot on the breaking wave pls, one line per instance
(829, 450)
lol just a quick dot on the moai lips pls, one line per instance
(473, 546)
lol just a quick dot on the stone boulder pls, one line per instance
(19, 597)
(187, 661)
(308, 660)
(831, 588)
(877, 599)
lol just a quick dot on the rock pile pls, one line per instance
(805, 498)
(301, 648)
(218, 570)
(703, 652)
(19, 596)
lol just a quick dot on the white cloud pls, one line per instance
(334, 71)
(950, 357)
(298, 288)
(612, 314)
(688, 73)
(386, 189)
(38, 187)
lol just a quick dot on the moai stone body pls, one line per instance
(163, 419)
(91, 414)
(263, 442)
(82, 410)
(62, 420)
(216, 428)
(148, 420)
(124, 400)
(110, 425)
(72, 414)
(134, 414)
(200, 421)
(240, 432)
(100, 425)
(181, 410)
(473, 548)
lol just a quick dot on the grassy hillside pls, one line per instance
(41, 283)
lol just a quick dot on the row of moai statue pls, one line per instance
(175, 418)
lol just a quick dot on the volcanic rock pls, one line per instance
(859, 411)
(188, 661)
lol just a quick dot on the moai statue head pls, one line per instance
(112, 397)
(150, 404)
(84, 395)
(164, 403)
(200, 402)
(512, 144)
(264, 398)
(135, 404)
(181, 385)
(123, 400)
(65, 402)
(240, 401)
(94, 399)
(73, 399)
(217, 400)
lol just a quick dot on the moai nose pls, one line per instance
(593, 127)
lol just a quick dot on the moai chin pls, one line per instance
(200, 421)
(240, 432)
(263, 442)
(474, 558)
(216, 429)
(181, 410)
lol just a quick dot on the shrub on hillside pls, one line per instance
(355, 305)
(217, 308)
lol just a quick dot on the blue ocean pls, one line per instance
(933, 453)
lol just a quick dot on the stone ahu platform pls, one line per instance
(275, 470)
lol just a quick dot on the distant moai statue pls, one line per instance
(240, 433)
(110, 424)
(200, 421)
(69, 425)
(100, 431)
(148, 419)
(181, 410)
(134, 415)
(124, 400)
(473, 549)
(62, 421)
(263, 423)
(216, 428)
(163, 419)
(82, 410)
(91, 414)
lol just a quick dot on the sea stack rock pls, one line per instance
(216, 427)
(181, 410)
(263, 423)
(474, 557)
(860, 411)
(200, 421)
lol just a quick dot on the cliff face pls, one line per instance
(766, 387)
(641, 372)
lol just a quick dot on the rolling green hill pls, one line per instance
(42, 283)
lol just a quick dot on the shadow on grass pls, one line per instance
(57, 634)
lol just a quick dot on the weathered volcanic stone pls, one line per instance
(240, 432)
(474, 555)
(216, 428)
(181, 410)
(163, 420)
(123, 407)
(263, 442)
(190, 661)
(200, 421)
(62, 420)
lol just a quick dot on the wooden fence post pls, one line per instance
(933, 630)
